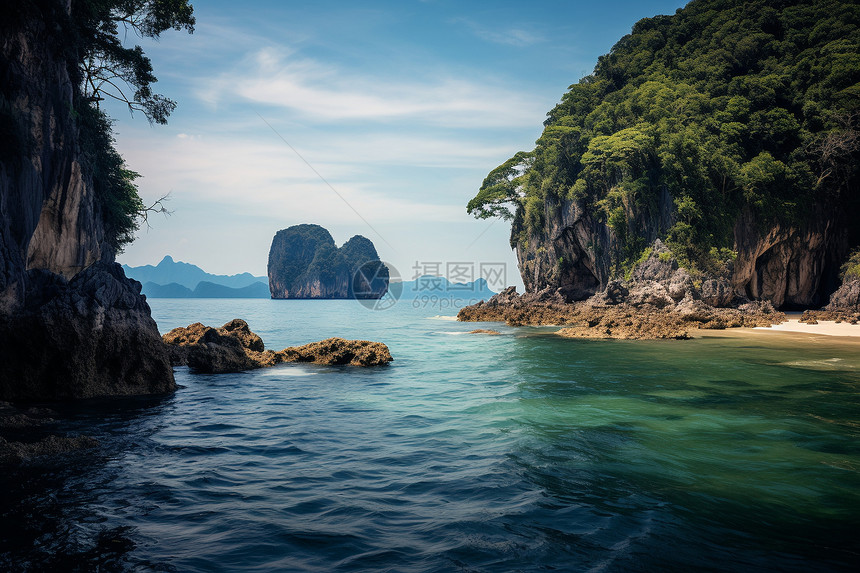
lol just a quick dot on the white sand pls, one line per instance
(826, 327)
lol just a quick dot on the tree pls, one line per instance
(501, 190)
(111, 70)
(106, 68)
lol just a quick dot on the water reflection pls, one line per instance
(60, 510)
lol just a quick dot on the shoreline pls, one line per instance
(823, 327)
(599, 323)
(794, 325)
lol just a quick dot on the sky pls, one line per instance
(378, 118)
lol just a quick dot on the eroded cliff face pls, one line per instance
(71, 323)
(47, 209)
(791, 266)
(304, 262)
(574, 249)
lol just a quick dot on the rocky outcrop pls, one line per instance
(660, 301)
(234, 348)
(338, 351)
(626, 320)
(87, 337)
(573, 251)
(847, 296)
(71, 324)
(304, 262)
(48, 216)
(231, 348)
(793, 267)
(844, 304)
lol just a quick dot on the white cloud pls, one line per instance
(327, 93)
(260, 175)
(405, 144)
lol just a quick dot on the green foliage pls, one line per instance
(106, 68)
(851, 268)
(500, 190)
(110, 69)
(727, 105)
(114, 184)
(643, 256)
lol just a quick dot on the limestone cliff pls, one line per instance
(71, 323)
(730, 130)
(791, 266)
(304, 262)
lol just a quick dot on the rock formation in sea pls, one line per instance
(71, 324)
(304, 262)
(660, 300)
(234, 348)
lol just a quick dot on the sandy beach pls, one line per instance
(825, 327)
(793, 330)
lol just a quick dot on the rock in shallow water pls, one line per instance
(233, 348)
(335, 351)
(14, 452)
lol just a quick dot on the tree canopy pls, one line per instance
(726, 104)
(107, 68)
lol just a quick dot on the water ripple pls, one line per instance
(523, 453)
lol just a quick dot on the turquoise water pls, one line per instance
(520, 452)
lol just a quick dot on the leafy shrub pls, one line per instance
(851, 268)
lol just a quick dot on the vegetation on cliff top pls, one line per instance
(107, 69)
(92, 37)
(726, 105)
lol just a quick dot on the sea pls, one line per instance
(521, 451)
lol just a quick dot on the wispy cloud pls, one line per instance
(255, 172)
(328, 93)
(520, 37)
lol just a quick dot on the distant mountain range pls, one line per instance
(172, 279)
(188, 275)
(205, 289)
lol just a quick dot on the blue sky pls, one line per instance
(402, 107)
